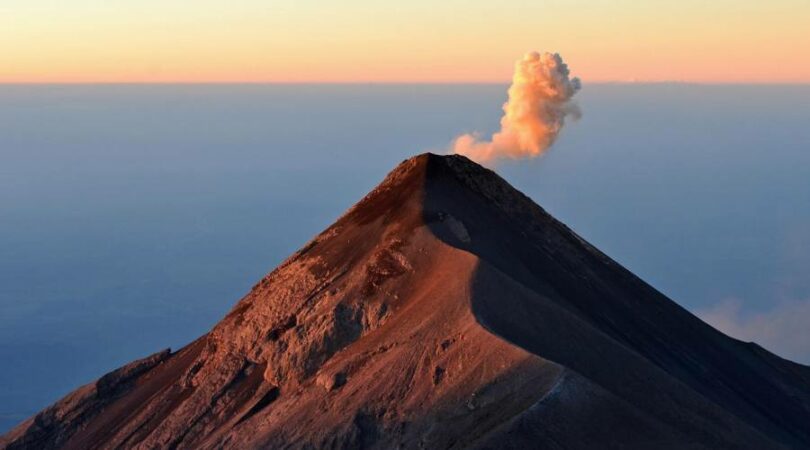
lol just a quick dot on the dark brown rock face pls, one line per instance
(445, 310)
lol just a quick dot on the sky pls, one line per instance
(359, 41)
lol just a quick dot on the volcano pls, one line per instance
(444, 310)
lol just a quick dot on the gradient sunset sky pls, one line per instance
(738, 41)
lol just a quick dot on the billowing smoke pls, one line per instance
(539, 101)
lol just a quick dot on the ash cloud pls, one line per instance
(540, 99)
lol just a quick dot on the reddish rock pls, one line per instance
(444, 310)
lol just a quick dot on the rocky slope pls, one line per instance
(445, 310)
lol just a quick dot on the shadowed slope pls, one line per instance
(444, 310)
(552, 266)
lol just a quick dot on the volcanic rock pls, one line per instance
(444, 310)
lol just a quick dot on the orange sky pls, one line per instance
(423, 41)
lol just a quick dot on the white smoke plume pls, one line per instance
(539, 101)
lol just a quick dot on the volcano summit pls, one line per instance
(444, 310)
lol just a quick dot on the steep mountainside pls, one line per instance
(444, 310)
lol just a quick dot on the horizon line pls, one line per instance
(391, 83)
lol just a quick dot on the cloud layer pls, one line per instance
(783, 330)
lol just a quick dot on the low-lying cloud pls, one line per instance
(783, 330)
